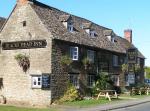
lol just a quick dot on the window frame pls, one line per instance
(91, 55)
(115, 60)
(36, 78)
(74, 80)
(91, 80)
(70, 26)
(74, 56)
(116, 80)
(92, 33)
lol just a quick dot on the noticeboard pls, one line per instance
(45, 81)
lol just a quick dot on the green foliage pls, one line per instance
(85, 61)
(87, 103)
(66, 60)
(103, 82)
(23, 61)
(70, 95)
(147, 70)
(124, 67)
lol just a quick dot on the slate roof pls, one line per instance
(52, 18)
(2, 20)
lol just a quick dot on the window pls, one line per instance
(92, 33)
(74, 79)
(90, 55)
(24, 23)
(115, 79)
(115, 60)
(131, 78)
(74, 53)
(111, 38)
(138, 60)
(70, 26)
(91, 80)
(37, 81)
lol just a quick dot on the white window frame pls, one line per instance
(74, 80)
(74, 52)
(36, 81)
(91, 81)
(90, 55)
(115, 60)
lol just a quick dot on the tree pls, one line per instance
(147, 71)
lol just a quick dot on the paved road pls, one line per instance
(140, 107)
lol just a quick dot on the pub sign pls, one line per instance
(24, 44)
(132, 55)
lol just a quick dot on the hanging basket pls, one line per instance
(23, 61)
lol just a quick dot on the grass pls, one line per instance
(94, 102)
(89, 103)
(79, 104)
(13, 108)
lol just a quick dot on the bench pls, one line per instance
(107, 94)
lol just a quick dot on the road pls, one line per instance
(140, 107)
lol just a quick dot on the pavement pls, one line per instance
(112, 105)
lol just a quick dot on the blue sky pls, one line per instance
(115, 14)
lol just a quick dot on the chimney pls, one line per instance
(128, 35)
(22, 2)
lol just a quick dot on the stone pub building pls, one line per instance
(34, 38)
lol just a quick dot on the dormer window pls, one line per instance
(70, 26)
(92, 33)
(67, 22)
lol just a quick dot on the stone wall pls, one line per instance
(17, 84)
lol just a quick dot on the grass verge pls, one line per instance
(13, 108)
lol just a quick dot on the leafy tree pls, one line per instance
(103, 82)
(147, 71)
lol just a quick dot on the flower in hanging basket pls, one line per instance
(23, 61)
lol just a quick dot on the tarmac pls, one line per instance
(112, 105)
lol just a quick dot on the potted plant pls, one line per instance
(124, 68)
(66, 60)
(86, 62)
(23, 61)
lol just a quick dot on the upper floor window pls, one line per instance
(115, 60)
(92, 33)
(138, 60)
(74, 53)
(111, 38)
(90, 55)
(70, 26)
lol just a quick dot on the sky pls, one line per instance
(115, 14)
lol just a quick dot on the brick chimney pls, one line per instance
(22, 2)
(128, 35)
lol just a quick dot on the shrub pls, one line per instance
(70, 95)
(103, 82)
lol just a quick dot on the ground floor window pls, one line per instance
(36, 81)
(74, 79)
(91, 80)
(115, 79)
